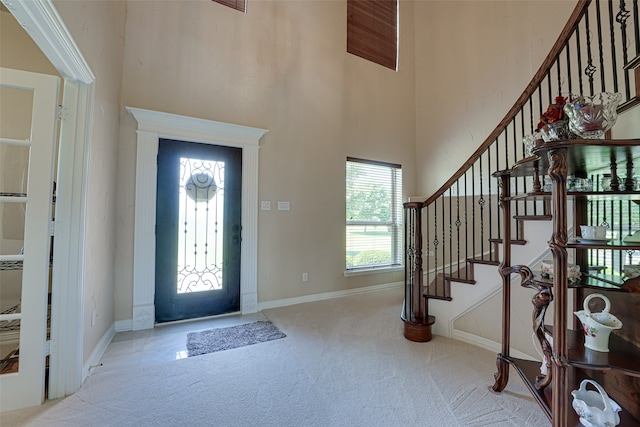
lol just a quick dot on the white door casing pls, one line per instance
(26, 387)
(44, 25)
(153, 125)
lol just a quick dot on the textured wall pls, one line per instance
(98, 29)
(473, 60)
(282, 66)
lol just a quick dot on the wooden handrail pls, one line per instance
(540, 75)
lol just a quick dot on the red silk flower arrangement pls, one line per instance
(555, 113)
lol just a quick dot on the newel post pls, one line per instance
(417, 322)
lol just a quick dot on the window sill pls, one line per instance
(373, 270)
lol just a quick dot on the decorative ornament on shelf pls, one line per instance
(597, 326)
(531, 142)
(554, 123)
(573, 271)
(591, 116)
(595, 408)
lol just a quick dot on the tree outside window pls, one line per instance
(373, 214)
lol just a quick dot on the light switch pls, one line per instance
(283, 206)
(265, 205)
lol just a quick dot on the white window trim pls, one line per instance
(373, 270)
(359, 271)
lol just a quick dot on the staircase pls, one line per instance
(456, 233)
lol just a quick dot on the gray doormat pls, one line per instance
(213, 340)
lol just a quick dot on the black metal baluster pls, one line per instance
(473, 209)
(579, 59)
(436, 243)
(450, 234)
(590, 69)
(636, 26)
(443, 247)
(590, 208)
(614, 61)
(637, 213)
(490, 182)
(630, 216)
(595, 214)
(427, 251)
(481, 203)
(600, 52)
(612, 219)
(458, 224)
(408, 262)
(466, 224)
(540, 102)
(620, 225)
(569, 79)
(522, 132)
(533, 127)
(621, 18)
(559, 73)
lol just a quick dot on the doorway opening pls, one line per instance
(198, 230)
(152, 126)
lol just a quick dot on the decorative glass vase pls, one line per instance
(591, 116)
(556, 131)
(531, 142)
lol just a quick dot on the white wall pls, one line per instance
(473, 60)
(98, 29)
(282, 66)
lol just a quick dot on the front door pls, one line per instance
(198, 230)
(27, 144)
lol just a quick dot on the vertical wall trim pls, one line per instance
(41, 21)
(144, 242)
(249, 254)
(153, 125)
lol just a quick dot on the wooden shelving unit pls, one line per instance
(568, 360)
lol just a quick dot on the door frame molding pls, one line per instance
(151, 126)
(41, 21)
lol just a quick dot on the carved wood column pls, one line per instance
(502, 375)
(558, 173)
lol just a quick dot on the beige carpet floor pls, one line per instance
(344, 362)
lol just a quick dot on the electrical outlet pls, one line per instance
(305, 277)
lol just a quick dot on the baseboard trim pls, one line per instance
(124, 325)
(487, 344)
(98, 352)
(127, 324)
(327, 295)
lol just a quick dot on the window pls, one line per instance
(372, 31)
(240, 5)
(374, 214)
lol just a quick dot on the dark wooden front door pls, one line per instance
(198, 230)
